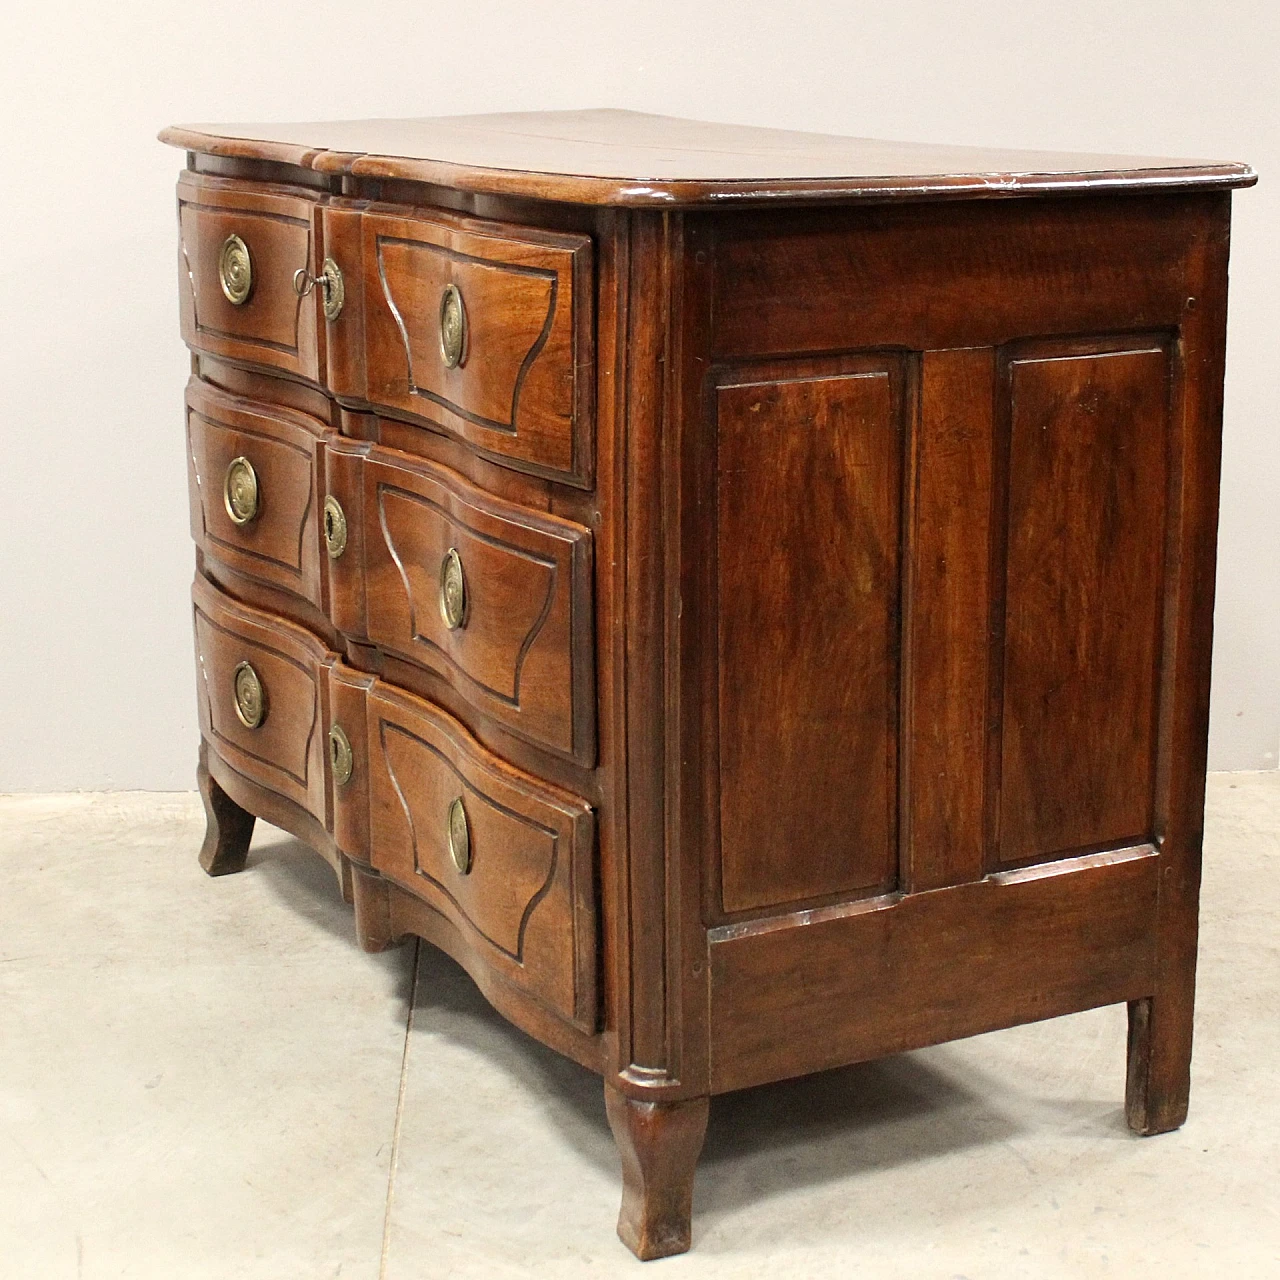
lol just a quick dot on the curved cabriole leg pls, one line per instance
(659, 1144)
(228, 827)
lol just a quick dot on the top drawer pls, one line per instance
(240, 244)
(481, 328)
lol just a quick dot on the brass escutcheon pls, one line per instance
(453, 590)
(335, 527)
(240, 491)
(333, 289)
(235, 270)
(453, 326)
(459, 837)
(250, 696)
(341, 760)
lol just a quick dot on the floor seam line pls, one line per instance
(395, 1132)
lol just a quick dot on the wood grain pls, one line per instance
(840, 985)
(527, 901)
(1083, 586)
(523, 389)
(281, 544)
(273, 327)
(948, 592)
(634, 158)
(809, 509)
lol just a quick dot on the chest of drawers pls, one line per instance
(746, 596)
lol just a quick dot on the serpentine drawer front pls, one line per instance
(405, 554)
(482, 329)
(745, 595)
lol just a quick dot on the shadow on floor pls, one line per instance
(763, 1142)
(760, 1142)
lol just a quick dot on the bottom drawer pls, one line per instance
(261, 698)
(507, 858)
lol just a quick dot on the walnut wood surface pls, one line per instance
(1088, 439)
(1018, 946)
(273, 326)
(527, 901)
(522, 653)
(658, 1143)
(633, 158)
(836, 675)
(522, 389)
(281, 544)
(228, 829)
(808, 493)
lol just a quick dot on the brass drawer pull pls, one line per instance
(453, 326)
(453, 590)
(240, 491)
(250, 696)
(341, 760)
(235, 270)
(333, 288)
(459, 837)
(335, 528)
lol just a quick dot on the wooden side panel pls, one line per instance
(948, 599)
(946, 275)
(523, 388)
(808, 518)
(523, 651)
(526, 902)
(821, 990)
(273, 326)
(281, 544)
(1088, 471)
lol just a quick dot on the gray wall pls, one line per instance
(95, 563)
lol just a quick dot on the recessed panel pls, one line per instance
(808, 506)
(1088, 471)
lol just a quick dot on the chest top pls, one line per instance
(635, 158)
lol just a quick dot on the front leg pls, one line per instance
(228, 827)
(659, 1144)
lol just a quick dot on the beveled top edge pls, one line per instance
(633, 158)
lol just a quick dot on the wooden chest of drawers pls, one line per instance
(746, 596)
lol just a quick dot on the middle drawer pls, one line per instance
(407, 555)
(493, 596)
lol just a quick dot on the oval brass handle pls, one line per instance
(453, 590)
(235, 270)
(250, 696)
(341, 761)
(333, 288)
(335, 527)
(453, 326)
(240, 491)
(459, 837)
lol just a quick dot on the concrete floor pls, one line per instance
(209, 1079)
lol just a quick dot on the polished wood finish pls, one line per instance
(523, 652)
(522, 388)
(807, 545)
(281, 544)
(272, 327)
(527, 898)
(658, 1143)
(228, 827)
(837, 527)
(1019, 945)
(1086, 474)
(632, 158)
